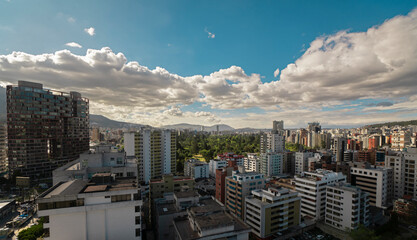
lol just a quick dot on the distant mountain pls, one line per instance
(102, 121)
(390, 124)
(181, 126)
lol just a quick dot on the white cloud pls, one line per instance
(90, 31)
(276, 72)
(71, 20)
(73, 44)
(210, 34)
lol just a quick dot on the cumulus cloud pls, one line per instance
(73, 44)
(90, 31)
(210, 34)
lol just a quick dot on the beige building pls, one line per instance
(169, 183)
(270, 211)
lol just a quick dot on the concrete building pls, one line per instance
(271, 211)
(215, 164)
(346, 207)
(311, 187)
(168, 184)
(210, 221)
(101, 159)
(271, 163)
(155, 150)
(3, 149)
(252, 163)
(404, 165)
(196, 169)
(400, 140)
(240, 185)
(102, 209)
(274, 142)
(339, 147)
(221, 175)
(289, 163)
(55, 126)
(301, 161)
(378, 182)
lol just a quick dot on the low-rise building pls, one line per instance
(196, 169)
(346, 207)
(104, 208)
(168, 183)
(271, 211)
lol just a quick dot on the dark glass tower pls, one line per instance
(45, 128)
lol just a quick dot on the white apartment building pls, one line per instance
(102, 210)
(274, 142)
(272, 163)
(346, 207)
(155, 150)
(215, 164)
(311, 187)
(315, 158)
(196, 169)
(378, 182)
(252, 163)
(404, 165)
(271, 211)
(301, 161)
(400, 140)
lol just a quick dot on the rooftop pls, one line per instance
(186, 194)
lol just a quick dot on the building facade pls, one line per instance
(196, 169)
(215, 164)
(272, 163)
(46, 128)
(3, 149)
(301, 161)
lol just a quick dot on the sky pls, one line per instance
(240, 63)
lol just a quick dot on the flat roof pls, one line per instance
(67, 188)
(186, 194)
(166, 209)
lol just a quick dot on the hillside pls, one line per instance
(390, 124)
(222, 127)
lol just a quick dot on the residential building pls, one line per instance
(231, 158)
(289, 163)
(168, 184)
(46, 128)
(221, 175)
(406, 209)
(210, 221)
(238, 186)
(404, 165)
(301, 161)
(252, 163)
(400, 140)
(271, 211)
(196, 169)
(155, 150)
(311, 187)
(101, 159)
(344, 167)
(346, 207)
(3, 149)
(215, 164)
(271, 163)
(378, 182)
(339, 147)
(274, 142)
(102, 209)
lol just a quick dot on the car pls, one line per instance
(319, 237)
(412, 227)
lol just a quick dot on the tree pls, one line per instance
(363, 233)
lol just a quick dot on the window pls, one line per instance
(137, 220)
(121, 198)
(137, 232)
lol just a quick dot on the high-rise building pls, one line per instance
(221, 175)
(155, 150)
(378, 182)
(196, 169)
(215, 164)
(273, 142)
(278, 126)
(301, 161)
(339, 147)
(312, 190)
(3, 149)
(239, 185)
(271, 211)
(46, 128)
(252, 163)
(400, 139)
(272, 163)
(346, 207)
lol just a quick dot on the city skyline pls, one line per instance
(259, 66)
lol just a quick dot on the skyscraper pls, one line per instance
(46, 128)
(3, 147)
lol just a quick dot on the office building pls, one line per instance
(155, 150)
(271, 211)
(101, 159)
(346, 207)
(101, 209)
(311, 187)
(404, 165)
(240, 185)
(215, 164)
(196, 169)
(378, 182)
(46, 128)
(301, 161)
(3, 149)
(272, 163)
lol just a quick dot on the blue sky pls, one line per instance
(193, 38)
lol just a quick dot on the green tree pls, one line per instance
(363, 233)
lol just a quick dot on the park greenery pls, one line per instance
(208, 146)
(32, 233)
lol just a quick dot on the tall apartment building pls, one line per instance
(404, 165)
(378, 182)
(272, 163)
(277, 126)
(301, 161)
(215, 164)
(155, 150)
(400, 139)
(101, 209)
(46, 128)
(240, 185)
(339, 147)
(346, 207)
(3, 149)
(289, 163)
(271, 211)
(311, 187)
(221, 175)
(196, 169)
(252, 163)
(274, 142)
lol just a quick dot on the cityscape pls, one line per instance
(244, 120)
